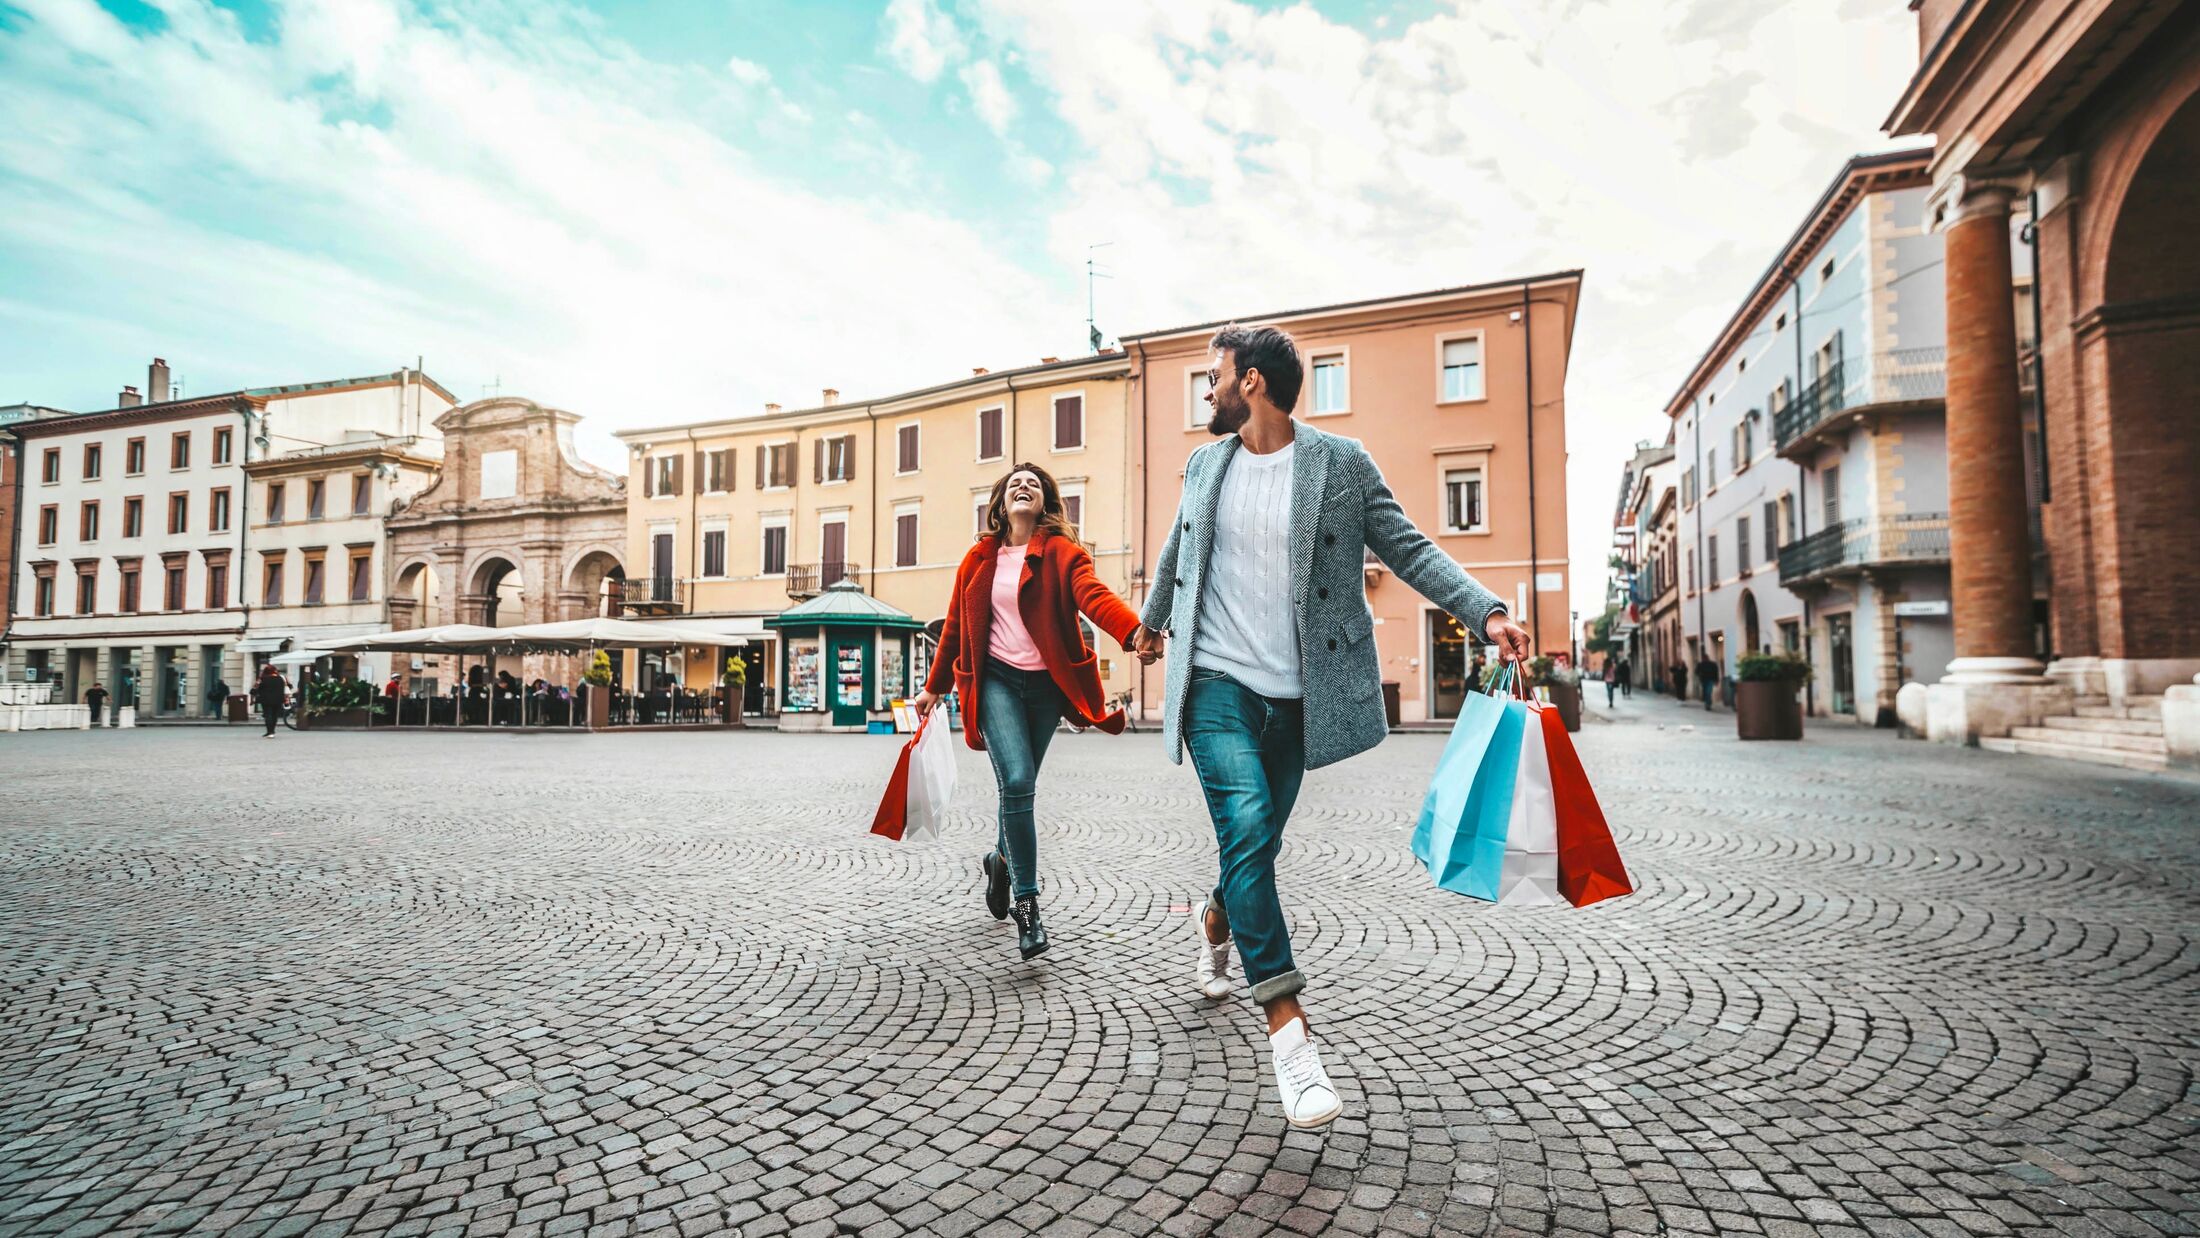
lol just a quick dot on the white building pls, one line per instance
(135, 538)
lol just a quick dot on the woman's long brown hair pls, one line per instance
(1053, 516)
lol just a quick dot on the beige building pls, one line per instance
(734, 521)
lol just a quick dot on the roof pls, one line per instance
(843, 604)
(1573, 275)
(222, 400)
(1832, 207)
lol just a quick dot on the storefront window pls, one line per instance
(892, 686)
(804, 664)
(848, 677)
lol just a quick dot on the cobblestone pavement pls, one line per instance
(622, 984)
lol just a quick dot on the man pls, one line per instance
(97, 699)
(1707, 678)
(1626, 678)
(1273, 669)
(268, 694)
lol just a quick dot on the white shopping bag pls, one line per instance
(1530, 875)
(931, 779)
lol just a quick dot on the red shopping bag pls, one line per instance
(893, 807)
(1589, 869)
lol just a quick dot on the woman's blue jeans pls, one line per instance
(1250, 751)
(1016, 717)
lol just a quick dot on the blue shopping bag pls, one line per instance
(1460, 835)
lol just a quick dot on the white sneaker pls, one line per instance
(1214, 958)
(1309, 1100)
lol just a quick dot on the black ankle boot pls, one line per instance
(996, 883)
(1031, 936)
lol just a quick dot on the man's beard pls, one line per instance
(1229, 418)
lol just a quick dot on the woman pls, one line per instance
(1012, 650)
(269, 694)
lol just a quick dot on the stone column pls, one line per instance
(1995, 681)
(2181, 724)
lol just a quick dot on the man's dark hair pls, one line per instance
(1270, 350)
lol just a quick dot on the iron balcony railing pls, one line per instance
(1899, 376)
(658, 594)
(1868, 542)
(809, 579)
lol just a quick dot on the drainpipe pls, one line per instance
(1012, 411)
(1535, 560)
(1145, 505)
(1703, 567)
(695, 536)
(15, 447)
(1802, 496)
(871, 411)
(2031, 236)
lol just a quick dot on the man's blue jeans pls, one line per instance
(1250, 751)
(1017, 718)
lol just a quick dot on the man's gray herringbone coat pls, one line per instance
(1339, 506)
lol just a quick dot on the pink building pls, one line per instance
(1440, 387)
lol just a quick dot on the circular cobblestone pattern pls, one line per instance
(608, 985)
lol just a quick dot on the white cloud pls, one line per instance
(989, 95)
(921, 39)
(748, 72)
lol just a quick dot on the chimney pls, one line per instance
(1048, 360)
(156, 382)
(129, 398)
(832, 396)
(977, 369)
(770, 409)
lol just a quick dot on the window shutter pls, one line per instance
(702, 474)
(649, 477)
(674, 488)
(819, 454)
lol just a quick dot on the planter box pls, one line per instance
(333, 719)
(599, 706)
(729, 708)
(1566, 698)
(1768, 709)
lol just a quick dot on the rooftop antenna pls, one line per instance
(493, 387)
(1093, 272)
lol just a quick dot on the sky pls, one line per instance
(650, 211)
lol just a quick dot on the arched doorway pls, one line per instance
(595, 586)
(416, 601)
(2143, 338)
(497, 584)
(1752, 638)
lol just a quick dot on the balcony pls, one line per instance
(1841, 396)
(1854, 545)
(657, 595)
(807, 580)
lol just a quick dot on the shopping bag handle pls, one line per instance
(1509, 682)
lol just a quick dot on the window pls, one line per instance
(1691, 571)
(1787, 518)
(49, 467)
(1772, 531)
(1463, 511)
(1688, 487)
(179, 450)
(1711, 560)
(316, 498)
(774, 550)
(1462, 369)
(662, 479)
(217, 583)
(1832, 487)
(989, 433)
(1711, 468)
(1776, 400)
(978, 505)
(179, 513)
(133, 516)
(42, 593)
(49, 524)
(1825, 272)
(1780, 322)
(87, 589)
(1069, 423)
(87, 521)
(714, 553)
(835, 458)
(905, 537)
(172, 584)
(362, 575)
(1741, 544)
(222, 440)
(908, 457)
(274, 502)
(91, 461)
(1329, 384)
(775, 466)
(129, 577)
(362, 494)
(315, 577)
(1202, 381)
(718, 471)
(1073, 506)
(133, 457)
(271, 580)
(1749, 440)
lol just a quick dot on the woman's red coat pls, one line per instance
(1058, 583)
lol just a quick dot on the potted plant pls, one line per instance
(1768, 701)
(596, 686)
(1561, 686)
(337, 703)
(736, 682)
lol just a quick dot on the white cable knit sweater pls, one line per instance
(1248, 628)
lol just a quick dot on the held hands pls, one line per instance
(1148, 644)
(1510, 638)
(924, 701)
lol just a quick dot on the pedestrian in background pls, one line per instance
(1707, 678)
(268, 693)
(1611, 681)
(97, 699)
(1012, 650)
(1626, 678)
